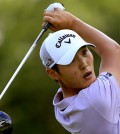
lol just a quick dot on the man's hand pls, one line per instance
(59, 19)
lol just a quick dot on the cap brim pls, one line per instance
(69, 56)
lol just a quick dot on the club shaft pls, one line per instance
(22, 63)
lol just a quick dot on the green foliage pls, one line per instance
(29, 99)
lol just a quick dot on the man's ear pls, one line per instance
(52, 74)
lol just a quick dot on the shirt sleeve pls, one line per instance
(104, 96)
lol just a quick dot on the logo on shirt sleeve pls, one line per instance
(108, 74)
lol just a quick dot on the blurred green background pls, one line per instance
(29, 98)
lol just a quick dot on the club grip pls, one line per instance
(51, 7)
(46, 25)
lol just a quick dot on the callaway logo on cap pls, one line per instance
(60, 39)
(60, 48)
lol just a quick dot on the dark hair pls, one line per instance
(55, 67)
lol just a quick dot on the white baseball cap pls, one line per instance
(61, 47)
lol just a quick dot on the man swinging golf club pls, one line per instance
(84, 103)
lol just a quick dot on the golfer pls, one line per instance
(84, 103)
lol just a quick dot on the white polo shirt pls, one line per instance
(94, 110)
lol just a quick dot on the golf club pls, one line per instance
(5, 120)
(6, 125)
(24, 59)
(45, 27)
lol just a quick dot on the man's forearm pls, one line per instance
(94, 36)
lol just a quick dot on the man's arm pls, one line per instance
(106, 48)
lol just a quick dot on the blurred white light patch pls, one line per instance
(1, 38)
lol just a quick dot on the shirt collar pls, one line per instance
(64, 103)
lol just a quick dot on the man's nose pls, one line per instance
(83, 64)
